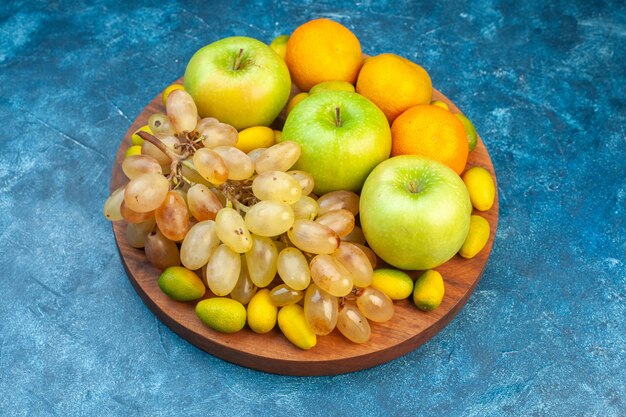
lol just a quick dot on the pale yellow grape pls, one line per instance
(240, 166)
(293, 268)
(261, 261)
(211, 166)
(353, 324)
(171, 142)
(269, 218)
(245, 288)
(146, 192)
(336, 200)
(356, 262)
(134, 217)
(160, 251)
(205, 122)
(232, 230)
(330, 275)
(305, 179)
(355, 236)
(191, 174)
(255, 153)
(199, 244)
(282, 295)
(279, 157)
(375, 304)
(182, 111)
(112, 205)
(218, 134)
(135, 165)
(320, 310)
(305, 208)
(203, 203)
(341, 221)
(368, 252)
(310, 236)
(136, 232)
(159, 124)
(276, 186)
(222, 270)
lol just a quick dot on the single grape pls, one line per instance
(368, 252)
(211, 166)
(276, 186)
(355, 236)
(356, 262)
(269, 218)
(336, 200)
(232, 230)
(305, 179)
(136, 232)
(146, 192)
(218, 134)
(244, 289)
(240, 166)
(205, 122)
(222, 270)
(261, 261)
(113, 204)
(171, 142)
(182, 111)
(353, 324)
(132, 216)
(159, 124)
(374, 304)
(305, 208)
(330, 275)
(281, 295)
(278, 157)
(312, 237)
(203, 203)
(172, 217)
(199, 244)
(320, 310)
(135, 165)
(255, 153)
(293, 268)
(191, 174)
(341, 221)
(160, 251)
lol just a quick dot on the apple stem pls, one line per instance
(337, 117)
(238, 60)
(413, 187)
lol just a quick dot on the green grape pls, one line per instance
(240, 166)
(134, 217)
(244, 289)
(232, 230)
(182, 111)
(356, 262)
(172, 217)
(293, 268)
(330, 275)
(113, 204)
(305, 179)
(310, 236)
(160, 251)
(278, 157)
(211, 166)
(276, 186)
(146, 192)
(136, 232)
(261, 261)
(305, 208)
(353, 324)
(281, 295)
(269, 218)
(160, 125)
(203, 203)
(341, 221)
(218, 134)
(199, 244)
(135, 165)
(374, 304)
(320, 310)
(336, 200)
(222, 270)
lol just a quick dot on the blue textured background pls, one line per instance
(543, 334)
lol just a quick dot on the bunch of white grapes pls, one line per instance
(246, 221)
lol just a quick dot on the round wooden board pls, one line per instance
(333, 354)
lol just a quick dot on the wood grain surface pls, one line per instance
(333, 354)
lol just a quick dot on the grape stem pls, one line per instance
(175, 175)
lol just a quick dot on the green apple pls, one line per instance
(239, 81)
(415, 212)
(279, 45)
(332, 86)
(343, 136)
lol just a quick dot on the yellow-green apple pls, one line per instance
(415, 212)
(239, 81)
(343, 136)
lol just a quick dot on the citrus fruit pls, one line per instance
(469, 129)
(440, 103)
(222, 314)
(181, 284)
(332, 86)
(432, 132)
(323, 50)
(482, 190)
(255, 137)
(396, 284)
(133, 150)
(429, 290)
(477, 237)
(295, 100)
(394, 84)
(262, 312)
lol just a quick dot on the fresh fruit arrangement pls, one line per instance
(267, 224)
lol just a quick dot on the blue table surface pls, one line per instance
(544, 332)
